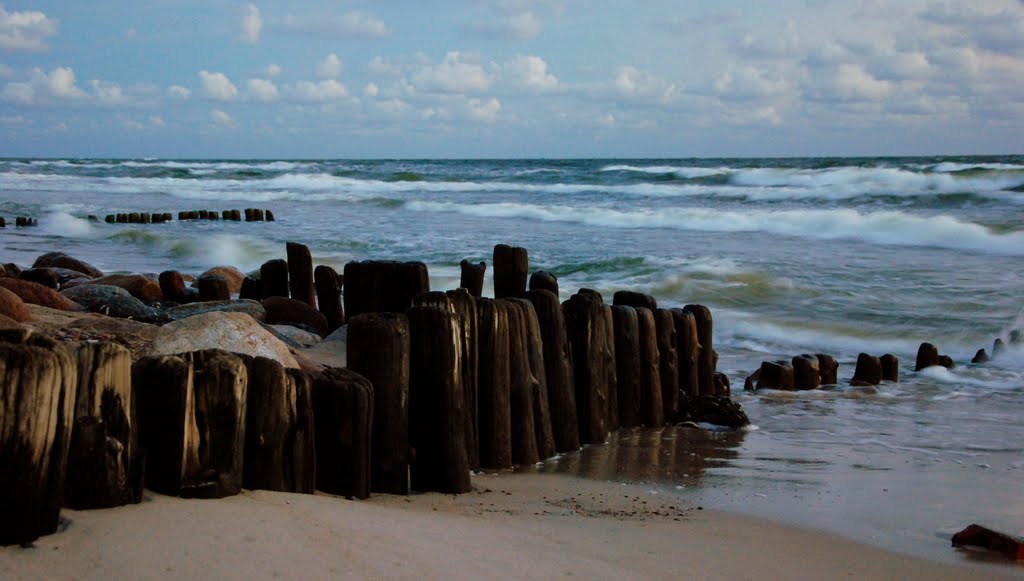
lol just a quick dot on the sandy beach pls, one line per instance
(512, 526)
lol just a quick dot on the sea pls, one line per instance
(809, 255)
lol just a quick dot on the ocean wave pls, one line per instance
(884, 227)
(679, 171)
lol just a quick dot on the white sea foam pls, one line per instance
(680, 171)
(887, 227)
(60, 222)
(949, 166)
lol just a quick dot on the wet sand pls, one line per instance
(511, 526)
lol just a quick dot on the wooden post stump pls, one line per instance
(829, 368)
(213, 288)
(890, 368)
(524, 431)
(927, 356)
(635, 300)
(436, 403)
(627, 365)
(252, 288)
(776, 375)
(806, 372)
(473, 277)
(543, 280)
(220, 383)
(868, 370)
(706, 357)
(592, 355)
(377, 286)
(274, 276)
(464, 306)
(163, 386)
(557, 370)
(300, 272)
(378, 349)
(105, 467)
(689, 352)
(511, 268)
(495, 421)
(39, 380)
(328, 296)
(668, 362)
(343, 421)
(652, 411)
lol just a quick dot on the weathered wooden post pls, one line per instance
(378, 349)
(652, 411)
(806, 372)
(300, 272)
(495, 420)
(220, 384)
(524, 432)
(634, 299)
(473, 277)
(706, 358)
(274, 277)
(868, 370)
(328, 296)
(39, 380)
(592, 355)
(890, 367)
(668, 362)
(436, 403)
(689, 351)
(463, 305)
(776, 375)
(511, 268)
(558, 370)
(829, 368)
(343, 423)
(213, 288)
(627, 365)
(543, 280)
(927, 356)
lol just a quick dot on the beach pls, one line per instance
(512, 526)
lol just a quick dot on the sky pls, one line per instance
(510, 78)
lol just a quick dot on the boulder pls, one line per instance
(232, 332)
(290, 311)
(114, 301)
(230, 273)
(61, 260)
(299, 337)
(247, 306)
(133, 335)
(140, 287)
(712, 409)
(44, 276)
(37, 294)
(13, 307)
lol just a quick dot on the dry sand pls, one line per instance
(512, 526)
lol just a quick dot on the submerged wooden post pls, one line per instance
(806, 372)
(868, 370)
(378, 349)
(436, 403)
(890, 368)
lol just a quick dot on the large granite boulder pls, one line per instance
(61, 260)
(12, 306)
(37, 294)
(229, 273)
(232, 332)
(250, 307)
(115, 302)
(143, 288)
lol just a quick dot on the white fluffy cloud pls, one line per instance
(352, 24)
(221, 118)
(252, 24)
(25, 31)
(486, 111)
(272, 70)
(178, 92)
(457, 73)
(262, 90)
(330, 67)
(218, 86)
(634, 83)
(57, 85)
(323, 91)
(530, 72)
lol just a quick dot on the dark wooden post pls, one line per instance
(436, 415)
(511, 268)
(586, 329)
(558, 370)
(829, 368)
(890, 368)
(39, 380)
(706, 358)
(220, 384)
(163, 386)
(635, 300)
(464, 306)
(652, 411)
(689, 351)
(328, 296)
(378, 349)
(300, 272)
(213, 288)
(343, 423)
(776, 375)
(274, 276)
(927, 356)
(868, 370)
(627, 365)
(668, 362)
(806, 372)
(473, 277)
(495, 421)
(524, 432)
(543, 280)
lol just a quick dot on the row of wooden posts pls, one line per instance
(438, 384)
(250, 214)
(19, 221)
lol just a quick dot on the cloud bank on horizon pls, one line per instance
(510, 78)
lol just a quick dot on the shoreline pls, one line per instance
(512, 525)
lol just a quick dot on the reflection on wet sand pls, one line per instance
(671, 455)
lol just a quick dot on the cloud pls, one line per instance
(220, 118)
(353, 24)
(522, 26)
(371, 90)
(330, 67)
(272, 70)
(457, 73)
(218, 86)
(252, 24)
(178, 92)
(530, 72)
(108, 93)
(262, 90)
(323, 91)
(25, 31)
(634, 83)
(486, 111)
(57, 85)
